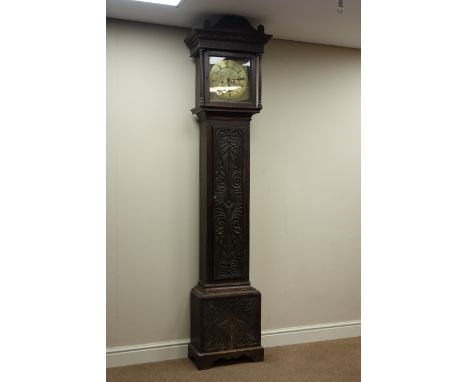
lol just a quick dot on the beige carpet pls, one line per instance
(328, 361)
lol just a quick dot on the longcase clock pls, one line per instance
(225, 309)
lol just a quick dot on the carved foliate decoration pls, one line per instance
(228, 206)
(231, 323)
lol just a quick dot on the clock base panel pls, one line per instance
(225, 323)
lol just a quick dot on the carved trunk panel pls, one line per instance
(229, 238)
(231, 323)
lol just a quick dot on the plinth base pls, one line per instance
(205, 360)
(225, 323)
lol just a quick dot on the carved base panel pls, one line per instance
(225, 323)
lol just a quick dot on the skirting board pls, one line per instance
(162, 351)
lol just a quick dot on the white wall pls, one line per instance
(305, 185)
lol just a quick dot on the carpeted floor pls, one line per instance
(328, 361)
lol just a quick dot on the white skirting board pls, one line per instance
(162, 351)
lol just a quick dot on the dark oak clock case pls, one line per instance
(225, 309)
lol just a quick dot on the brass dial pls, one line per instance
(229, 80)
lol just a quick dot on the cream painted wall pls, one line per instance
(305, 185)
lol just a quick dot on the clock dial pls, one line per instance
(229, 79)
